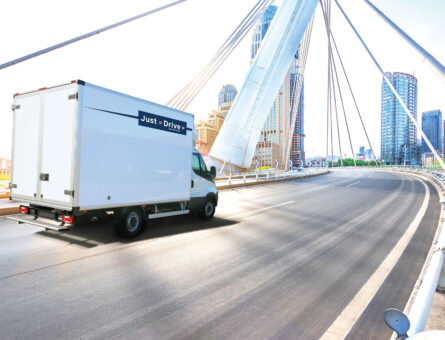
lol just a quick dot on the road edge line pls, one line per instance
(343, 324)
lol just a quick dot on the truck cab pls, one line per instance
(204, 195)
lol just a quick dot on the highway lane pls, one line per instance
(280, 260)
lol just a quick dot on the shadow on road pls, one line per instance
(91, 235)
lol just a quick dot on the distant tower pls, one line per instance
(272, 138)
(398, 133)
(226, 97)
(431, 126)
(297, 154)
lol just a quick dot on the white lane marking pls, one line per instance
(350, 185)
(253, 212)
(340, 328)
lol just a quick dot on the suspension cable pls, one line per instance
(350, 89)
(344, 112)
(184, 93)
(223, 48)
(396, 94)
(183, 98)
(338, 87)
(335, 108)
(201, 83)
(87, 35)
(328, 93)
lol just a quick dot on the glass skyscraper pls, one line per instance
(270, 146)
(227, 94)
(297, 147)
(398, 133)
(432, 127)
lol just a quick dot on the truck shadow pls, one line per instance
(91, 235)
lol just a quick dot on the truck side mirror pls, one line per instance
(212, 172)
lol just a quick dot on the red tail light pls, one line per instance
(67, 219)
(23, 210)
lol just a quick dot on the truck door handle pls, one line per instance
(44, 177)
(193, 183)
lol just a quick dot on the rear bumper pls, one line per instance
(40, 222)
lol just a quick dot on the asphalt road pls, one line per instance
(277, 261)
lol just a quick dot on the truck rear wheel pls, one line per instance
(130, 224)
(208, 210)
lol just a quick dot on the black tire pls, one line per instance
(208, 210)
(130, 224)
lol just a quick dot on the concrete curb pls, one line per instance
(249, 184)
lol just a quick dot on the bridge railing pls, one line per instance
(433, 277)
(266, 175)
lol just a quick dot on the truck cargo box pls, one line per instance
(81, 146)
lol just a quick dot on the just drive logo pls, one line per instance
(162, 123)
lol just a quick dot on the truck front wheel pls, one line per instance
(208, 210)
(130, 224)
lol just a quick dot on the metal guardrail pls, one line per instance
(264, 176)
(434, 272)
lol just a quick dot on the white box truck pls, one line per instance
(82, 152)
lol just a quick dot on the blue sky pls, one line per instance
(155, 56)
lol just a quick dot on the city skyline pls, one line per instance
(155, 73)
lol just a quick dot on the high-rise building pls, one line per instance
(432, 127)
(398, 133)
(209, 129)
(368, 155)
(443, 138)
(297, 154)
(226, 97)
(270, 146)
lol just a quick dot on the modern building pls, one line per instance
(432, 127)
(226, 97)
(443, 138)
(368, 155)
(360, 156)
(275, 132)
(297, 154)
(209, 129)
(398, 133)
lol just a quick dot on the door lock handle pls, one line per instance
(44, 177)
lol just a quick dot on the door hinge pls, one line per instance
(44, 177)
(15, 107)
(69, 192)
(73, 96)
(12, 186)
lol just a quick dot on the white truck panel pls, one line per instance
(59, 119)
(122, 162)
(109, 149)
(25, 146)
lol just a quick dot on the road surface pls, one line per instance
(278, 261)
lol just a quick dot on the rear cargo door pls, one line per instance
(25, 153)
(58, 145)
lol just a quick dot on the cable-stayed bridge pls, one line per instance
(304, 253)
